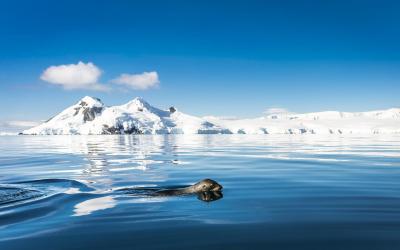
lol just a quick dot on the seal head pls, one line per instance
(206, 185)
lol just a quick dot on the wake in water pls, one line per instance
(29, 200)
(37, 199)
(29, 191)
(10, 195)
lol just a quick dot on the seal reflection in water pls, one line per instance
(210, 196)
(206, 190)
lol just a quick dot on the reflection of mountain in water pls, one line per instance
(106, 156)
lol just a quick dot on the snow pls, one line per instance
(91, 116)
(328, 122)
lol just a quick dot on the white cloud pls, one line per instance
(142, 81)
(74, 76)
(22, 123)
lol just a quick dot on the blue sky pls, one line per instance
(211, 57)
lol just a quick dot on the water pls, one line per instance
(280, 192)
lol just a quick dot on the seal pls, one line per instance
(206, 185)
(206, 190)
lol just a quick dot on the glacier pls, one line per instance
(89, 116)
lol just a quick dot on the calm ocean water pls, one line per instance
(280, 192)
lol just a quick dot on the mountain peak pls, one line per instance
(90, 102)
(139, 100)
(138, 103)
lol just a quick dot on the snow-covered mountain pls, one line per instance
(91, 116)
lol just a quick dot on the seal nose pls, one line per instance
(218, 187)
